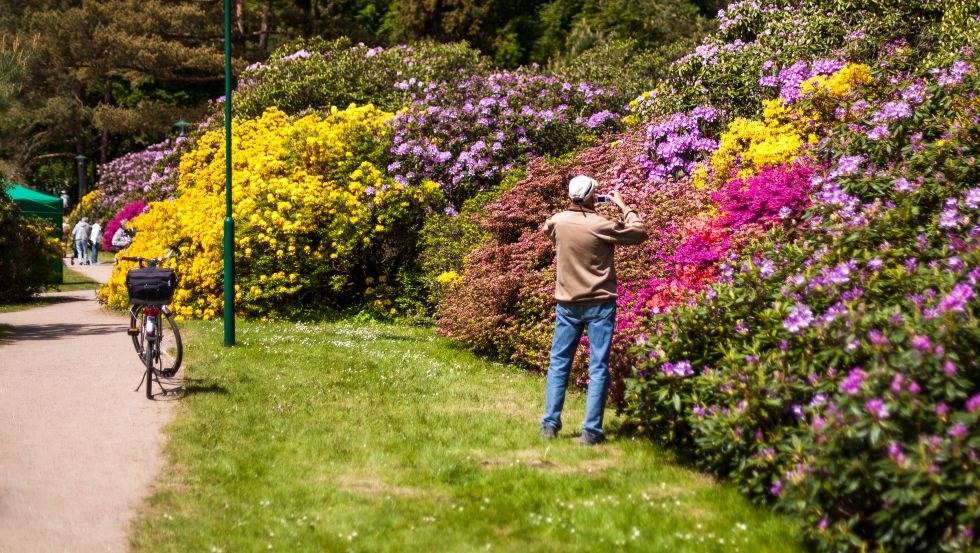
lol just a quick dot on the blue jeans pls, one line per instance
(80, 247)
(570, 321)
(94, 257)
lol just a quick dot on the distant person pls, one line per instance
(80, 235)
(586, 298)
(64, 202)
(95, 242)
(123, 236)
(66, 240)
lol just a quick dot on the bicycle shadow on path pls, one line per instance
(79, 449)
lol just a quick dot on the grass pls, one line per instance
(354, 437)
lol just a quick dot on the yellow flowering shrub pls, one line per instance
(749, 145)
(88, 207)
(314, 216)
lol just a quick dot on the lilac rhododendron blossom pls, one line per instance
(972, 199)
(879, 132)
(950, 216)
(852, 382)
(895, 453)
(958, 431)
(681, 368)
(800, 317)
(893, 111)
(973, 404)
(902, 184)
(877, 408)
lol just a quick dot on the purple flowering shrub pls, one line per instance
(833, 368)
(465, 135)
(759, 42)
(146, 175)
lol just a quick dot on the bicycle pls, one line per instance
(152, 327)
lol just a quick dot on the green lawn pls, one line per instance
(365, 437)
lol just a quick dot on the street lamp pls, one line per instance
(182, 127)
(80, 159)
(229, 315)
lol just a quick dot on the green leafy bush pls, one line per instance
(316, 74)
(29, 252)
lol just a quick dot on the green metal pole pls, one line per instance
(229, 222)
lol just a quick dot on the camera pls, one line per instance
(602, 198)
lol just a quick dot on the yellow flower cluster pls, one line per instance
(748, 145)
(840, 84)
(307, 200)
(85, 207)
(449, 278)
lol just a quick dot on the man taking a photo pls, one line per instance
(586, 299)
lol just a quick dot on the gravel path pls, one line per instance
(78, 447)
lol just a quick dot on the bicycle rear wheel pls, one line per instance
(171, 346)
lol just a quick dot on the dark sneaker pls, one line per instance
(549, 432)
(589, 438)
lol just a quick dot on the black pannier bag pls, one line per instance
(151, 285)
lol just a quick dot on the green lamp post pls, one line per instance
(181, 127)
(80, 161)
(229, 246)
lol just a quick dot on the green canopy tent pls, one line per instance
(38, 204)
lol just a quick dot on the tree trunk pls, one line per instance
(104, 143)
(240, 36)
(264, 30)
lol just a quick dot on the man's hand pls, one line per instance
(618, 200)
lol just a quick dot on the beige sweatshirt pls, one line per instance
(585, 242)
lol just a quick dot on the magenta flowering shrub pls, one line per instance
(127, 213)
(466, 135)
(832, 368)
(775, 193)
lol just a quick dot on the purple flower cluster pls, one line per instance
(853, 381)
(139, 174)
(678, 143)
(893, 111)
(800, 317)
(680, 369)
(465, 136)
(954, 302)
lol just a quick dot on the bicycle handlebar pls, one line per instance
(154, 261)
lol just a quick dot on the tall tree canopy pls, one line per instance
(101, 76)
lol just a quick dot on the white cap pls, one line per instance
(581, 187)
